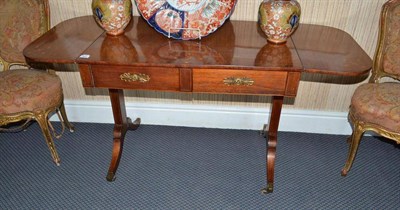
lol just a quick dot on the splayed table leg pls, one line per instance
(121, 125)
(277, 102)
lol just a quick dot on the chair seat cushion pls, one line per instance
(378, 104)
(28, 90)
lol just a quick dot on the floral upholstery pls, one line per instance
(30, 26)
(378, 104)
(28, 90)
(391, 55)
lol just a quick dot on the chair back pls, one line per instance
(21, 22)
(387, 55)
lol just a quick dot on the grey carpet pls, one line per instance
(194, 168)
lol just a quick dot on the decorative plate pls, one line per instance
(185, 19)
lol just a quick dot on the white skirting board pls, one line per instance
(208, 116)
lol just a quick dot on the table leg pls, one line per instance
(121, 124)
(277, 102)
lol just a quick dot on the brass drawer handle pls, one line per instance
(245, 81)
(128, 77)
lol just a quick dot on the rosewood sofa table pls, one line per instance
(236, 59)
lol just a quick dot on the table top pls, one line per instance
(236, 45)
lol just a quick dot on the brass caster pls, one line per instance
(268, 189)
(137, 121)
(110, 177)
(133, 125)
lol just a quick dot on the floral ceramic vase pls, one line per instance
(112, 15)
(278, 19)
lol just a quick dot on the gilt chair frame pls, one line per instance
(359, 126)
(40, 116)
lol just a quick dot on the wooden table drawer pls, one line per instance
(125, 77)
(239, 81)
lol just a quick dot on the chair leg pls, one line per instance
(41, 118)
(355, 139)
(65, 118)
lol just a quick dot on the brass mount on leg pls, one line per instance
(110, 177)
(268, 189)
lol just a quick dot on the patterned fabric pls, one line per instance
(378, 104)
(21, 22)
(28, 90)
(391, 54)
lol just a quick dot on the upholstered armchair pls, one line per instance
(27, 94)
(375, 106)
